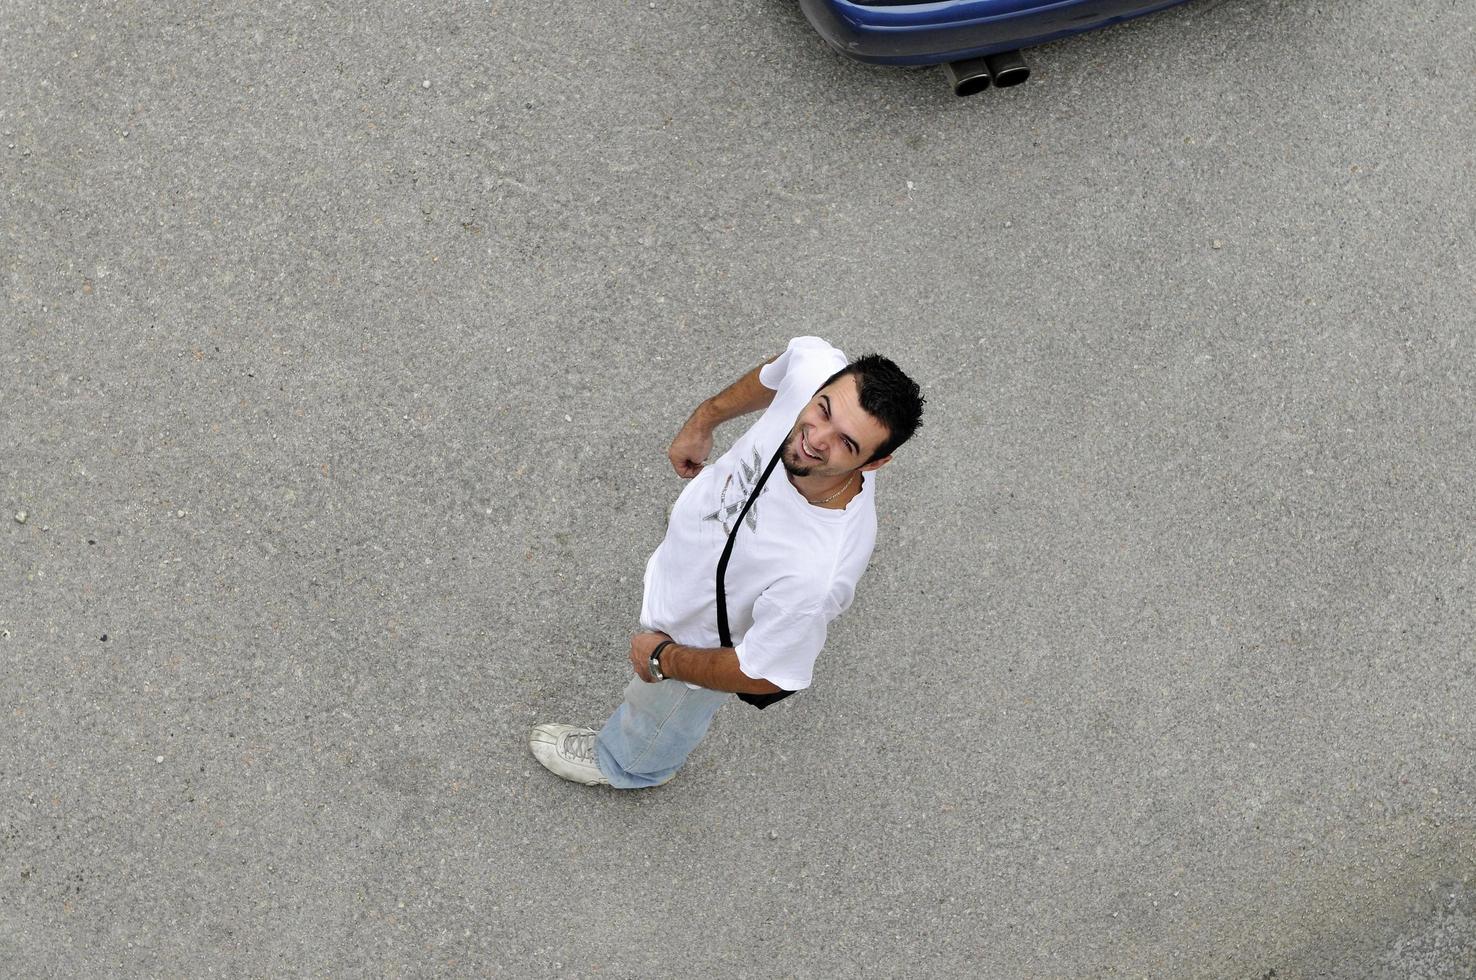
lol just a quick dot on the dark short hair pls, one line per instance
(887, 395)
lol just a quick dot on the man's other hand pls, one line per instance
(641, 646)
(690, 449)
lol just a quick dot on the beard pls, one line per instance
(794, 470)
(794, 460)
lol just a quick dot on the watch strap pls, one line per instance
(655, 662)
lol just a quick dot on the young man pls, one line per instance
(796, 556)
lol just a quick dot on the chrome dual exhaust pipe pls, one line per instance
(974, 75)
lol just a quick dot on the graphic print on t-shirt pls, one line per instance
(732, 499)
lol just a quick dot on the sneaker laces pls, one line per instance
(581, 747)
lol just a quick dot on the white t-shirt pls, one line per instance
(794, 566)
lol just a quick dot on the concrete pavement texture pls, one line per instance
(341, 347)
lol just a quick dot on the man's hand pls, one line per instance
(690, 449)
(641, 646)
(693, 444)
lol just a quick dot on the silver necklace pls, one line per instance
(844, 487)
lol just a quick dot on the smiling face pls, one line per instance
(834, 435)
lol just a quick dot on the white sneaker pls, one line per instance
(568, 751)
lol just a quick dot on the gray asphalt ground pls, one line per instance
(341, 347)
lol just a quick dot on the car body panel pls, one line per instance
(935, 33)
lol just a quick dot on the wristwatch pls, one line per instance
(655, 665)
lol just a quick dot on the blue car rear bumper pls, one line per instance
(934, 33)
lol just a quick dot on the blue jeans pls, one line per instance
(648, 737)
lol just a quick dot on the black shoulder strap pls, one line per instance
(759, 701)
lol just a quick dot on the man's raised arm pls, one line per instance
(693, 443)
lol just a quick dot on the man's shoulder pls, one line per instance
(813, 346)
(805, 364)
(816, 354)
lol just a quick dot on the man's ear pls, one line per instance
(876, 464)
